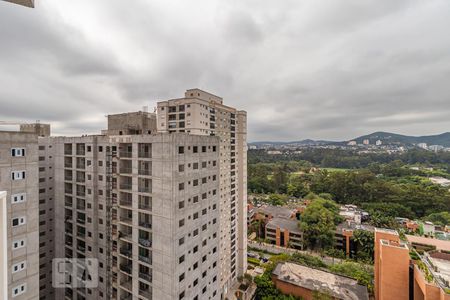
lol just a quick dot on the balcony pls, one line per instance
(126, 251)
(145, 242)
(145, 276)
(125, 154)
(145, 259)
(127, 284)
(127, 296)
(144, 185)
(145, 172)
(146, 293)
(145, 168)
(145, 203)
(81, 163)
(145, 220)
(126, 186)
(68, 162)
(80, 149)
(81, 248)
(126, 268)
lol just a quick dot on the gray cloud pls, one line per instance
(302, 69)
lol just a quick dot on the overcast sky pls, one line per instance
(301, 69)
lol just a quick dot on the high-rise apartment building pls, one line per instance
(162, 210)
(202, 113)
(19, 179)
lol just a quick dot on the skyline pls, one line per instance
(317, 70)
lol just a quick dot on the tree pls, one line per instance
(318, 223)
(365, 244)
(441, 218)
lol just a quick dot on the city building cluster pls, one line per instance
(158, 199)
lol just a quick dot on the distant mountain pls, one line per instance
(393, 138)
(386, 138)
(307, 142)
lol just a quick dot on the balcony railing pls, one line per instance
(126, 251)
(145, 206)
(145, 224)
(125, 186)
(126, 268)
(145, 276)
(145, 154)
(127, 285)
(145, 259)
(126, 203)
(126, 170)
(145, 172)
(125, 154)
(145, 242)
(147, 293)
(145, 189)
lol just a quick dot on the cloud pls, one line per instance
(301, 69)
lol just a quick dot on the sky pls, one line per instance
(320, 69)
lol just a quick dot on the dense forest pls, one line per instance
(351, 159)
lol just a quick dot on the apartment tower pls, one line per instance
(19, 179)
(202, 113)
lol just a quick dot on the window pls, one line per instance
(18, 198)
(15, 152)
(195, 182)
(181, 204)
(214, 149)
(19, 267)
(181, 168)
(203, 148)
(17, 175)
(18, 244)
(181, 223)
(180, 150)
(18, 221)
(181, 241)
(181, 259)
(181, 296)
(195, 216)
(181, 186)
(195, 149)
(19, 290)
(181, 277)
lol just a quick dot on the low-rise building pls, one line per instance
(402, 273)
(284, 233)
(308, 283)
(344, 237)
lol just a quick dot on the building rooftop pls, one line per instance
(289, 224)
(439, 244)
(354, 226)
(276, 211)
(441, 266)
(337, 286)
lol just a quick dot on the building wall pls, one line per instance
(28, 209)
(46, 157)
(391, 267)
(291, 289)
(201, 113)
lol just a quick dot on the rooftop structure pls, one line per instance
(301, 281)
(270, 211)
(28, 3)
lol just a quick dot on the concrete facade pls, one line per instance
(202, 113)
(19, 178)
